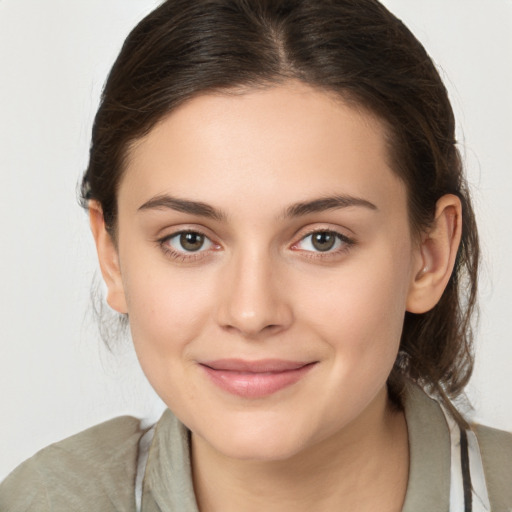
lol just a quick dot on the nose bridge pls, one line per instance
(252, 301)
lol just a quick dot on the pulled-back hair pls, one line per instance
(355, 48)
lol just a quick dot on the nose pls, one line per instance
(253, 301)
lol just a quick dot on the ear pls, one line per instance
(436, 256)
(108, 258)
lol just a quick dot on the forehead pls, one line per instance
(284, 142)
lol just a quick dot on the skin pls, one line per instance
(260, 289)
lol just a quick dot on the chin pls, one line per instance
(262, 439)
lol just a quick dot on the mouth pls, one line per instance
(255, 379)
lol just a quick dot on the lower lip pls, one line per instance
(255, 385)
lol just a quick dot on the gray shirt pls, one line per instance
(96, 469)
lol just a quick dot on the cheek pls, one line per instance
(167, 308)
(167, 311)
(359, 310)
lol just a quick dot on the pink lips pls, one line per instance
(255, 379)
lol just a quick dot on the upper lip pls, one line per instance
(258, 366)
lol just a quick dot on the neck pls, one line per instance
(348, 471)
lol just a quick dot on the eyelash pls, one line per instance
(346, 244)
(185, 256)
(191, 256)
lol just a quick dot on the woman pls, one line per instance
(290, 341)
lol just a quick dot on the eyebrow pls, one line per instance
(201, 209)
(185, 206)
(326, 203)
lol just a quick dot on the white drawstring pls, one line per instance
(480, 497)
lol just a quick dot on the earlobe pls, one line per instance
(436, 256)
(108, 258)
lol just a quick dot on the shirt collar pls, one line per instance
(428, 487)
(168, 478)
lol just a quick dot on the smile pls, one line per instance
(255, 379)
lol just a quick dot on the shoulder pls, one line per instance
(96, 466)
(496, 442)
(496, 449)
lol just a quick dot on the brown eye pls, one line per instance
(191, 241)
(328, 242)
(323, 240)
(188, 242)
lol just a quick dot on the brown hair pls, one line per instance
(355, 48)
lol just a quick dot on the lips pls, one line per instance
(255, 379)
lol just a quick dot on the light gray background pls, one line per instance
(55, 376)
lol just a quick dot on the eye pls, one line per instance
(323, 241)
(188, 241)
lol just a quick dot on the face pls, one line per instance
(265, 263)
